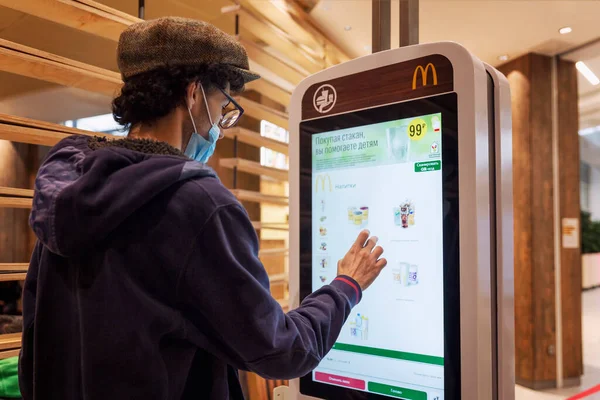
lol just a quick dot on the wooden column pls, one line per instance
(535, 219)
(570, 207)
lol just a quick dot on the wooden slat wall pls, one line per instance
(14, 226)
(253, 138)
(259, 388)
(254, 26)
(98, 20)
(270, 90)
(10, 345)
(37, 67)
(254, 167)
(22, 60)
(285, 70)
(284, 29)
(62, 12)
(246, 181)
(534, 191)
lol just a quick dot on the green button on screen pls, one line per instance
(428, 166)
(402, 393)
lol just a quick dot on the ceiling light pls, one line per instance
(585, 71)
(347, 28)
(230, 9)
(503, 57)
(565, 30)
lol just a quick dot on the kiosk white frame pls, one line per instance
(504, 234)
(478, 369)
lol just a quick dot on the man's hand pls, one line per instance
(362, 262)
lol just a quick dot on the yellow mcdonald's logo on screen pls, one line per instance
(424, 74)
(323, 179)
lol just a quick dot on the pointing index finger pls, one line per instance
(362, 238)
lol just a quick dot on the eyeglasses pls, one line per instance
(231, 112)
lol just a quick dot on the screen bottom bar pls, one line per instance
(399, 355)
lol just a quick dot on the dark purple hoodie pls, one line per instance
(145, 283)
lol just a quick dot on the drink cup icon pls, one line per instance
(403, 273)
(413, 275)
(358, 218)
(397, 216)
(351, 214)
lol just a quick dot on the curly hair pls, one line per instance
(149, 96)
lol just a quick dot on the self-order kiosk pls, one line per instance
(415, 145)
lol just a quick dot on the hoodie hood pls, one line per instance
(87, 186)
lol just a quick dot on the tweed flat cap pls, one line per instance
(149, 45)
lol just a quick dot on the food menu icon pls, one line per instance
(405, 274)
(404, 214)
(358, 217)
(323, 262)
(359, 327)
(321, 229)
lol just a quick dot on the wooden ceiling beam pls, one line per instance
(32, 123)
(94, 18)
(102, 7)
(274, 226)
(255, 139)
(14, 267)
(21, 60)
(275, 37)
(306, 5)
(271, 90)
(275, 12)
(10, 341)
(9, 353)
(12, 277)
(59, 59)
(307, 22)
(283, 69)
(261, 112)
(25, 130)
(51, 71)
(92, 21)
(15, 202)
(255, 168)
(15, 192)
(257, 197)
(288, 16)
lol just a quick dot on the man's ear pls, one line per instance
(191, 94)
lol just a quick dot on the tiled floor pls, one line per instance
(591, 355)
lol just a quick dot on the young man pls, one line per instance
(145, 281)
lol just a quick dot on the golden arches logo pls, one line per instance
(322, 179)
(424, 74)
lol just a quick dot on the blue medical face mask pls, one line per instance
(199, 148)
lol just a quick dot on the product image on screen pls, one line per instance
(385, 177)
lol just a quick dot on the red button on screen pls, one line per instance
(340, 380)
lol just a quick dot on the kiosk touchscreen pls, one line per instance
(386, 170)
(400, 143)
